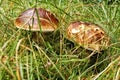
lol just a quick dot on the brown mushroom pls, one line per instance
(37, 19)
(88, 35)
(28, 20)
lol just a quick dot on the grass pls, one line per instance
(22, 58)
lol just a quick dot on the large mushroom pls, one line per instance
(89, 36)
(36, 19)
(30, 20)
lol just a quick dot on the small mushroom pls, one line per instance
(28, 20)
(89, 36)
(37, 19)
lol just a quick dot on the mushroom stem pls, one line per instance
(38, 38)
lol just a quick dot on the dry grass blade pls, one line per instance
(6, 68)
(117, 77)
(17, 62)
(107, 68)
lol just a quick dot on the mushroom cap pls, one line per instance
(88, 35)
(29, 20)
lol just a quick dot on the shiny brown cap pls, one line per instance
(28, 20)
(88, 35)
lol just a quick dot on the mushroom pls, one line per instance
(28, 20)
(89, 36)
(37, 19)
